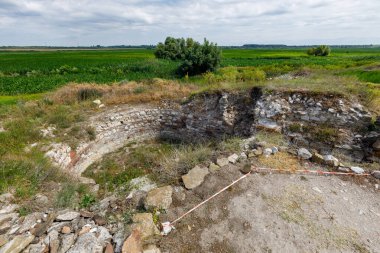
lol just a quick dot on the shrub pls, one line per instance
(196, 58)
(322, 50)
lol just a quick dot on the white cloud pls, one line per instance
(85, 22)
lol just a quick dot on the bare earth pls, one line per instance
(277, 213)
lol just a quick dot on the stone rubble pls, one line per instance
(195, 177)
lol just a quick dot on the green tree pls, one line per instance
(196, 58)
(322, 50)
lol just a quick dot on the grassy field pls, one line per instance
(31, 72)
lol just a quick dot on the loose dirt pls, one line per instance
(277, 213)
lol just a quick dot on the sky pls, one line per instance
(226, 22)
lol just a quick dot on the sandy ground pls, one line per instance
(277, 213)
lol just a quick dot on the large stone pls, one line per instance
(39, 247)
(118, 238)
(331, 160)
(233, 158)
(109, 248)
(53, 241)
(222, 161)
(68, 216)
(18, 244)
(143, 222)
(87, 242)
(3, 240)
(304, 154)
(195, 177)
(7, 217)
(151, 249)
(9, 209)
(213, 167)
(357, 170)
(66, 242)
(376, 174)
(133, 243)
(30, 222)
(159, 198)
(5, 227)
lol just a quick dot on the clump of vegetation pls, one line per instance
(151, 91)
(196, 58)
(73, 194)
(322, 50)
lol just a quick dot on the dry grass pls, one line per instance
(152, 91)
(281, 161)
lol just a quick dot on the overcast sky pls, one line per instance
(227, 22)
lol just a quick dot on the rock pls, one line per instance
(8, 217)
(304, 154)
(68, 216)
(5, 227)
(343, 169)
(376, 145)
(19, 243)
(133, 243)
(85, 229)
(246, 168)
(213, 167)
(99, 220)
(159, 198)
(39, 247)
(3, 240)
(109, 248)
(357, 170)
(376, 174)
(331, 160)
(179, 194)
(222, 161)
(53, 241)
(86, 214)
(41, 200)
(41, 228)
(118, 238)
(6, 198)
(9, 209)
(143, 184)
(104, 203)
(151, 249)
(30, 221)
(267, 151)
(143, 222)
(67, 241)
(318, 158)
(86, 243)
(195, 177)
(233, 158)
(268, 125)
(101, 106)
(97, 102)
(66, 230)
(243, 156)
(274, 150)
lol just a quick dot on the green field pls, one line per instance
(30, 72)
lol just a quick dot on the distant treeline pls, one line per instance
(263, 46)
(281, 46)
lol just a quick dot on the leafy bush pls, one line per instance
(196, 58)
(322, 50)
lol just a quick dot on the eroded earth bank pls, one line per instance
(266, 212)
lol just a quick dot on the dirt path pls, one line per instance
(278, 213)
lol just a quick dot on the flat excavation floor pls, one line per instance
(277, 213)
